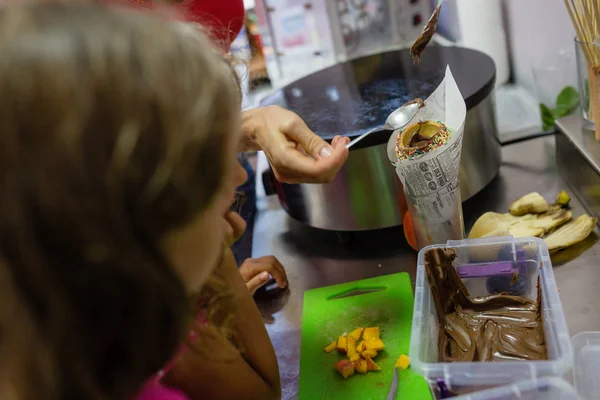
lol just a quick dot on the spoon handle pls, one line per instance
(364, 135)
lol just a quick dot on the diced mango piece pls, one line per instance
(371, 333)
(371, 366)
(360, 347)
(374, 344)
(350, 346)
(342, 344)
(345, 368)
(361, 366)
(354, 357)
(369, 353)
(403, 362)
(331, 347)
(357, 333)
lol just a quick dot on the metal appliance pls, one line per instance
(303, 36)
(352, 97)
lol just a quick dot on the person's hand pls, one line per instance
(296, 154)
(235, 227)
(258, 271)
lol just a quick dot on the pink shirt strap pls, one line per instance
(154, 389)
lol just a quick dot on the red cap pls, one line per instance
(222, 18)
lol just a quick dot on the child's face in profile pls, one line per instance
(195, 250)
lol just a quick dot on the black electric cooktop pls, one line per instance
(355, 96)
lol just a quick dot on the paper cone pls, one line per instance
(431, 181)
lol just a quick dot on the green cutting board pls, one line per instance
(386, 302)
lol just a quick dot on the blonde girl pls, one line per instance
(118, 136)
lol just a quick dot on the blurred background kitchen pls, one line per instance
(531, 43)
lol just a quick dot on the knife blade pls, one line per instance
(394, 387)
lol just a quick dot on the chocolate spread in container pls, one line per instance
(497, 327)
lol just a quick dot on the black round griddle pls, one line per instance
(352, 97)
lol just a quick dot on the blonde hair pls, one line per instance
(114, 131)
(214, 300)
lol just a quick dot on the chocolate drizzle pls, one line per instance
(418, 47)
(497, 327)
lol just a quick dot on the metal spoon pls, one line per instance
(398, 119)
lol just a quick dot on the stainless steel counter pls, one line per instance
(316, 258)
(578, 157)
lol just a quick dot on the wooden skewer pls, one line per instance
(578, 26)
(595, 10)
(597, 14)
(585, 15)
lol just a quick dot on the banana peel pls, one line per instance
(495, 224)
(491, 222)
(553, 222)
(541, 223)
(497, 233)
(532, 203)
(524, 229)
(571, 233)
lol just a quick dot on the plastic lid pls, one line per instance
(586, 364)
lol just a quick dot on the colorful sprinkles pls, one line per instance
(438, 141)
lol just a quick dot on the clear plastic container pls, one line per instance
(541, 389)
(586, 363)
(467, 377)
(586, 347)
